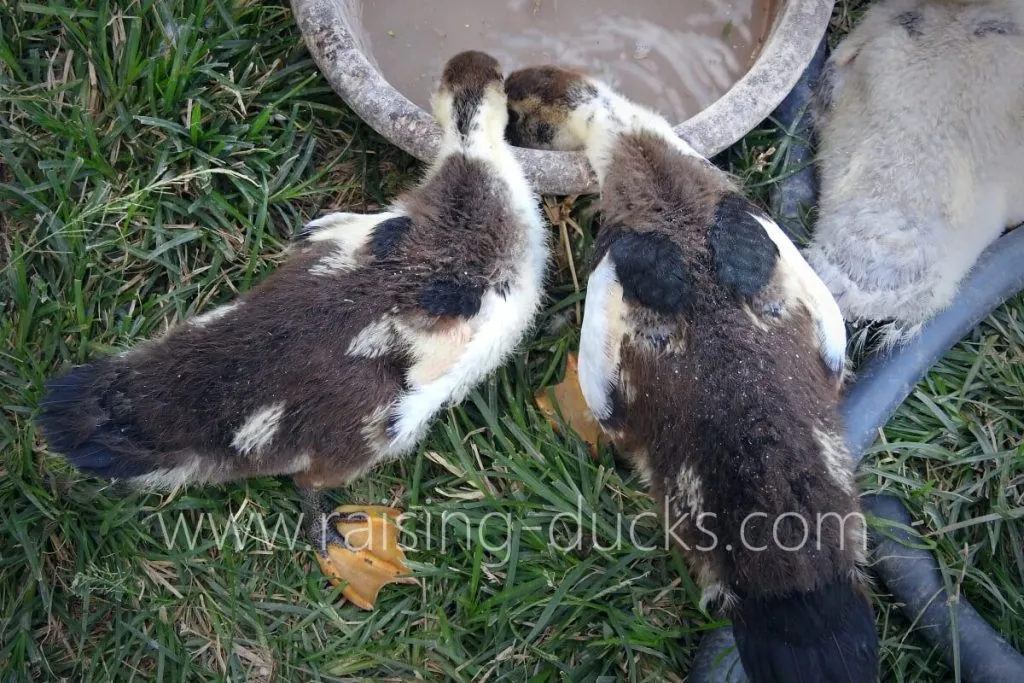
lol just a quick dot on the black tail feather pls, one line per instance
(84, 418)
(823, 636)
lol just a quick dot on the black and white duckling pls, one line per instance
(920, 121)
(342, 357)
(713, 357)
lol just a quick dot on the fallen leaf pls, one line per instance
(572, 405)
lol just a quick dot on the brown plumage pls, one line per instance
(342, 357)
(713, 357)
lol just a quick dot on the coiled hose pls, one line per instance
(911, 574)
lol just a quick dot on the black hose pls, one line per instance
(796, 193)
(888, 378)
(911, 574)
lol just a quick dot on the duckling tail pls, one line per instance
(826, 635)
(86, 415)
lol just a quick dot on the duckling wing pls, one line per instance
(757, 262)
(449, 363)
(828, 319)
(601, 338)
(640, 289)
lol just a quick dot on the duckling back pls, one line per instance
(713, 357)
(344, 355)
(725, 399)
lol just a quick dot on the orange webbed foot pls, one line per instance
(371, 556)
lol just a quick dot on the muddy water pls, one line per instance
(677, 56)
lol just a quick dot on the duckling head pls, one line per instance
(559, 109)
(471, 97)
(542, 103)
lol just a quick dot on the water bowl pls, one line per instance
(335, 37)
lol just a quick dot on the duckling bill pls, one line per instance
(712, 355)
(340, 359)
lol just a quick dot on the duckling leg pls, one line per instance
(356, 546)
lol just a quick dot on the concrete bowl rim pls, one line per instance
(796, 32)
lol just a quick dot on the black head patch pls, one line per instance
(996, 27)
(452, 297)
(652, 271)
(550, 85)
(467, 76)
(388, 235)
(540, 100)
(744, 254)
(911, 23)
(470, 70)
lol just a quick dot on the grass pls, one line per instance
(154, 158)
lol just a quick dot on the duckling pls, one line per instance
(713, 358)
(342, 357)
(920, 120)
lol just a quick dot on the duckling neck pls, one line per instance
(479, 128)
(602, 121)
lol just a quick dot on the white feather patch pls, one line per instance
(837, 458)
(170, 478)
(498, 327)
(824, 310)
(348, 230)
(688, 493)
(374, 340)
(435, 353)
(258, 430)
(214, 315)
(346, 233)
(717, 594)
(334, 263)
(601, 338)
(301, 463)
